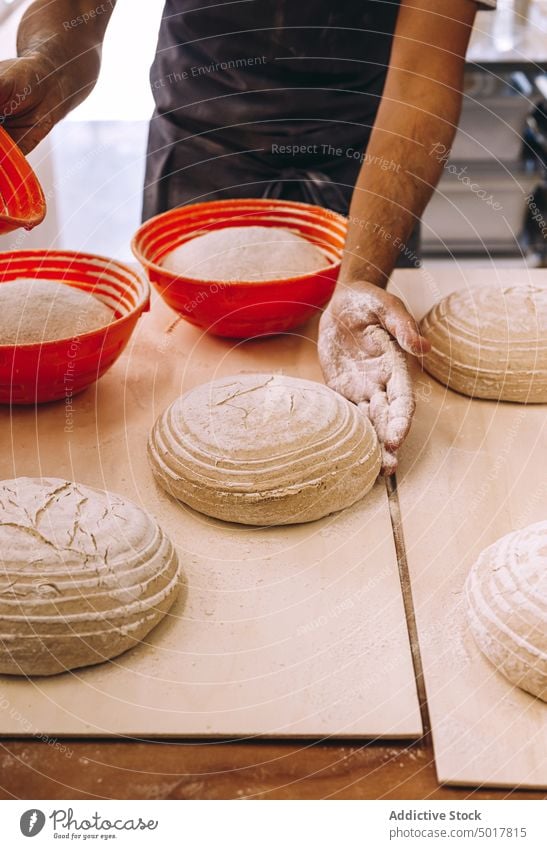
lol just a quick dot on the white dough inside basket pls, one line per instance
(245, 253)
(33, 311)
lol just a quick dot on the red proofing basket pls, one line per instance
(243, 308)
(22, 202)
(48, 371)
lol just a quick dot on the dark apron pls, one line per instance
(264, 99)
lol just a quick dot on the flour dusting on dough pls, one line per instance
(245, 253)
(506, 593)
(491, 342)
(264, 450)
(84, 575)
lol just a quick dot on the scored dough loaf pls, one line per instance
(490, 342)
(245, 253)
(43, 310)
(506, 593)
(84, 575)
(264, 449)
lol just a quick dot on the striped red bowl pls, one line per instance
(22, 202)
(244, 308)
(47, 371)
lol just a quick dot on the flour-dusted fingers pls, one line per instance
(389, 461)
(401, 403)
(375, 341)
(379, 421)
(379, 413)
(396, 319)
(363, 407)
(343, 358)
(399, 421)
(366, 364)
(328, 348)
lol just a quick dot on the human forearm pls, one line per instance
(364, 328)
(420, 109)
(65, 38)
(394, 187)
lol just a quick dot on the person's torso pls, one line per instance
(277, 67)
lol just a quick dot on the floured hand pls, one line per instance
(363, 361)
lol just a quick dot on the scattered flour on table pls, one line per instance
(44, 310)
(245, 253)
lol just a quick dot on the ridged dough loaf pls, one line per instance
(84, 575)
(506, 593)
(264, 449)
(489, 342)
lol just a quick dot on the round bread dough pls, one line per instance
(506, 594)
(245, 254)
(43, 310)
(264, 449)
(84, 575)
(489, 342)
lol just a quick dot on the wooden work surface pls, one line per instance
(471, 472)
(205, 769)
(290, 631)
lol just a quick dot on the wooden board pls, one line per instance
(471, 471)
(114, 769)
(289, 631)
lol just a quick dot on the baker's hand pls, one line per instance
(362, 335)
(31, 99)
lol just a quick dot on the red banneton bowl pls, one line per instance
(240, 309)
(22, 202)
(47, 371)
